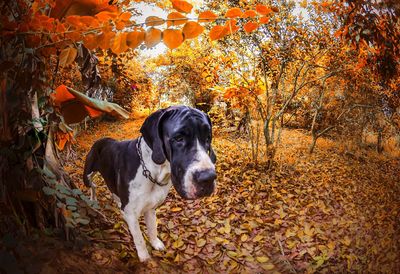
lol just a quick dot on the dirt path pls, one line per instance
(334, 211)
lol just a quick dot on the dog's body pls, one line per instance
(175, 149)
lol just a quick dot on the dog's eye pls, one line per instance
(179, 139)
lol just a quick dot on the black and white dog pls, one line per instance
(175, 149)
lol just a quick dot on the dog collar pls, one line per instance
(146, 173)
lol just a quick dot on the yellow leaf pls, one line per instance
(172, 38)
(308, 230)
(176, 209)
(289, 233)
(178, 243)
(175, 19)
(262, 259)
(218, 32)
(291, 244)
(135, 38)
(233, 13)
(152, 21)
(303, 4)
(118, 44)
(177, 258)
(219, 239)
(182, 6)
(227, 227)
(258, 238)
(192, 30)
(244, 237)
(67, 56)
(207, 16)
(346, 241)
(232, 254)
(331, 245)
(201, 243)
(152, 37)
(268, 266)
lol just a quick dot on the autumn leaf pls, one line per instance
(61, 95)
(207, 16)
(275, 9)
(152, 37)
(232, 26)
(250, 26)
(326, 4)
(176, 209)
(263, 10)
(192, 30)
(67, 56)
(118, 44)
(249, 14)
(233, 13)
(173, 38)
(90, 41)
(152, 21)
(218, 32)
(175, 19)
(263, 20)
(125, 16)
(89, 21)
(104, 39)
(182, 6)
(201, 242)
(105, 16)
(135, 38)
(262, 259)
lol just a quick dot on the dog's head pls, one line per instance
(182, 135)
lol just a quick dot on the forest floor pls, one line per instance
(337, 210)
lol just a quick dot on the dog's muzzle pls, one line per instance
(204, 182)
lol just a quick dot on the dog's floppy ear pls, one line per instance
(211, 152)
(151, 133)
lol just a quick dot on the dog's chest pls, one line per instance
(145, 195)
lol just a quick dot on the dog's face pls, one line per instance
(182, 135)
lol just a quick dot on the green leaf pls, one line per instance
(76, 191)
(71, 201)
(49, 190)
(83, 221)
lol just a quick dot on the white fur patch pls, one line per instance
(144, 198)
(200, 162)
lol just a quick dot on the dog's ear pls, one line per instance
(213, 157)
(151, 131)
(211, 152)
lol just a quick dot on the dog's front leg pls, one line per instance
(133, 222)
(151, 223)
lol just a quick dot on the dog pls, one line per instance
(174, 149)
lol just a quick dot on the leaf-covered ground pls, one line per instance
(334, 211)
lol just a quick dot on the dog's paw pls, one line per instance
(143, 257)
(157, 244)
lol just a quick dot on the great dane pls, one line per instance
(174, 149)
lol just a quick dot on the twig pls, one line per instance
(107, 240)
(285, 260)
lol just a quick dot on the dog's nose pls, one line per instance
(205, 176)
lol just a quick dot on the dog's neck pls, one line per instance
(162, 173)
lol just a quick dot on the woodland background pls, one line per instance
(304, 98)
